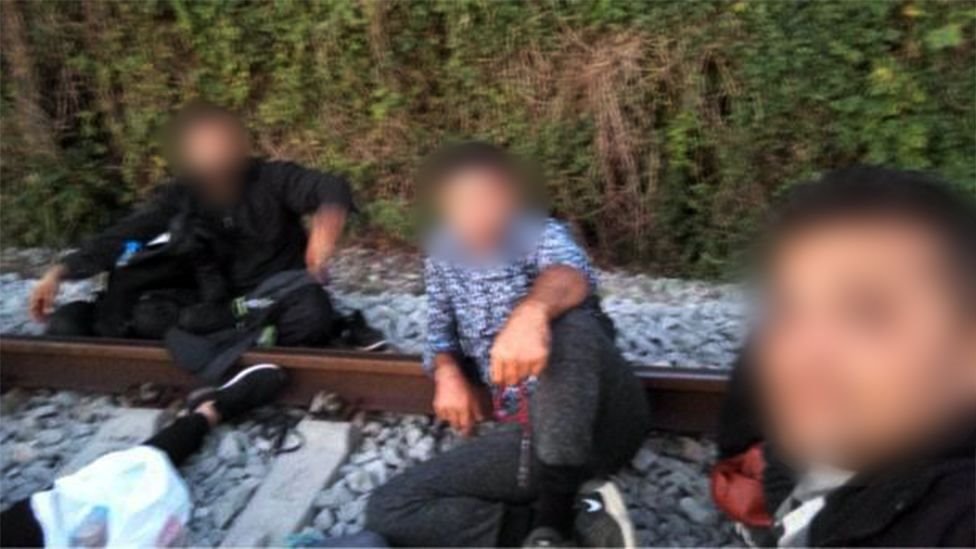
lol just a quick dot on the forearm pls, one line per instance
(328, 223)
(93, 257)
(100, 252)
(324, 232)
(444, 364)
(558, 289)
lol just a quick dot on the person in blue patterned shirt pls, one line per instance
(513, 312)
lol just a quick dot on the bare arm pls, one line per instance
(100, 252)
(521, 349)
(558, 289)
(326, 228)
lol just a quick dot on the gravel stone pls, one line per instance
(697, 511)
(40, 434)
(643, 460)
(50, 437)
(47, 410)
(324, 520)
(423, 449)
(22, 453)
(350, 512)
(660, 321)
(334, 496)
(229, 450)
(360, 481)
(12, 400)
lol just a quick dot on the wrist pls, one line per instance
(447, 370)
(56, 272)
(536, 307)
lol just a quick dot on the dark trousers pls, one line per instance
(183, 437)
(588, 410)
(305, 319)
(148, 316)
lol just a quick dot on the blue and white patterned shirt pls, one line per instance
(468, 303)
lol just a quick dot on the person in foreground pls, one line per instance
(209, 243)
(850, 420)
(134, 497)
(512, 307)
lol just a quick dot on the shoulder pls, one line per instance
(947, 510)
(557, 237)
(939, 512)
(170, 191)
(552, 228)
(265, 166)
(434, 266)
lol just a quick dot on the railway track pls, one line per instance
(682, 399)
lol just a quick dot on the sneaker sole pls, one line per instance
(247, 371)
(372, 346)
(616, 507)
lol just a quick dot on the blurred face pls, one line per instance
(865, 351)
(477, 204)
(213, 153)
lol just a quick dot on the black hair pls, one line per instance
(871, 192)
(199, 111)
(194, 114)
(437, 169)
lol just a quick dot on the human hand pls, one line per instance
(521, 349)
(42, 298)
(455, 400)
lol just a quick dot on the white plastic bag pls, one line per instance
(131, 498)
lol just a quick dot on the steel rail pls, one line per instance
(682, 399)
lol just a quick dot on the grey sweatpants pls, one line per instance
(588, 410)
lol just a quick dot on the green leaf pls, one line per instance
(948, 36)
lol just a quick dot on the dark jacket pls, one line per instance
(927, 501)
(260, 235)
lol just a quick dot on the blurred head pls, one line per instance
(210, 146)
(867, 349)
(475, 190)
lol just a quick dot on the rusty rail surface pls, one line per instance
(683, 400)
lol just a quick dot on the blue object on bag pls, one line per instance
(93, 530)
(130, 249)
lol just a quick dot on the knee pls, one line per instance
(577, 326)
(385, 509)
(376, 512)
(73, 319)
(151, 317)
(307, 320)
(578, 340)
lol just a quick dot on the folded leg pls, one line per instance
(468, 496)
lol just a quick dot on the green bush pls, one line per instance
(665, 128)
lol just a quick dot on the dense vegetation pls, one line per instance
(664, 127)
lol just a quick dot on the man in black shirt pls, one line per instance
(224, 224)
